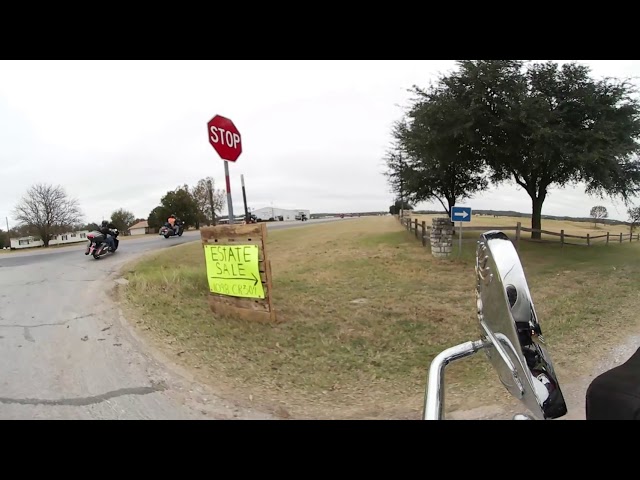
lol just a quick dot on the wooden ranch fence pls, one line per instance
(422, 232)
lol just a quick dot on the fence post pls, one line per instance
(607, 238)
(561, 238)
(518, 233)
(424, 233)
(588, 240)
(415, 225)
(620, 237)
(631, 237)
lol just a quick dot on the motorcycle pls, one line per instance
(166, 231)
(97, 247)
(511, 338)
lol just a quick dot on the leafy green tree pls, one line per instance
(178, 202)
(158, 217)
(598, 212)
(181, 203)
(399, 205)
(438, 163)
(634, 218)
(542, 125)
(122, 219)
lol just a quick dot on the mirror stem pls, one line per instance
(434, 398)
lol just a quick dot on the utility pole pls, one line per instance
(213, 211)
(247, 219)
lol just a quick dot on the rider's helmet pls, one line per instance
(172, 216)
(105, 223)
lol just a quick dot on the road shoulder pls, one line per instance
(183, 383)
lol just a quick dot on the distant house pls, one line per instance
(30, 242)
(140, 228)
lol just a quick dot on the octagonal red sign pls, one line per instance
(225, 138)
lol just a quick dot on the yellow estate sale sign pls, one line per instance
(234, 270)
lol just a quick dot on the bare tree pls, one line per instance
(208, 199)
(598, 212)
(48, 211)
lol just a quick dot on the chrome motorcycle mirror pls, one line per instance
(510, 336)
(510, 328)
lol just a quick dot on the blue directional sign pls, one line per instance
(460, 214)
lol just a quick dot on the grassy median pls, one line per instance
(365, 308)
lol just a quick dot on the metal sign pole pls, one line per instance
(229, 203)
(460, 238)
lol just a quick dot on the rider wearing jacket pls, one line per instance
(174, 223)
(105, 229)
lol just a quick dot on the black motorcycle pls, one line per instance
(97, 245)
(167, 231)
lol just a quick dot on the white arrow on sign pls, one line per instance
(462, 214)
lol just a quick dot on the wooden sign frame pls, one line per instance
(256, 309)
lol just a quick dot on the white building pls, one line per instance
(280, 214)
(31, 242)
(140, 228)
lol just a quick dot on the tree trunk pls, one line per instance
(43, 233)
(536, 217)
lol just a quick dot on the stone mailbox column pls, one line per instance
(441, 237)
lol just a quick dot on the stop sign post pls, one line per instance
(225, 139)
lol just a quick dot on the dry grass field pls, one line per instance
(365, 308)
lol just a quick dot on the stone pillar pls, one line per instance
(441, 237)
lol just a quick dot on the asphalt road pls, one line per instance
(65, 352)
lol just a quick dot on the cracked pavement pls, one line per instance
(64, 352)
(67, 353)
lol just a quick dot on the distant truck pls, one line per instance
(302, 217)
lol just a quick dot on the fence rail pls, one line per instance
(413, 226)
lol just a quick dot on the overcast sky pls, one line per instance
(121, 133)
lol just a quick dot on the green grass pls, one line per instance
(365, 308)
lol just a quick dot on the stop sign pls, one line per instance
(225, 138)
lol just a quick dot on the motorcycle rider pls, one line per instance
(179, 225)
(174, 223)
(105, 229)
